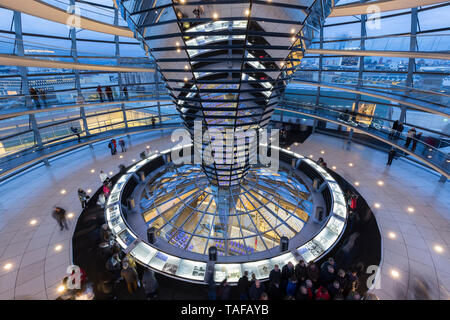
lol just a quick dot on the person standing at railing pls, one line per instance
(125, 93)
(399, 130)
(43, 97)
(416, 139)
(394, 128)
(100, 93)
(153, 121)
(75, 131)
(410, 136)
(122, 145)
(109, 93)
(35, 97)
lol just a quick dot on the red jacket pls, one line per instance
(322, 295)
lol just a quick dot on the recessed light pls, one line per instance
(350, 164)
(215, 15)
(292, 30)
(177, 43)
(92, 170)
(121, 156)
(356, 183)
(63, 191)
(33, 222)
(111, 173)
(392, 235)
(293, 38)
(89, 190)
(380, 182)
(395, 274)
(377, 205)
(70, 215)
(410, 209)
(438, 249)
(178, 50)
(7, 266)
(322, 152)
(247, 12)
(134, 160)
(58, 247)
(186, 67)
(334, 167)
(61, 289)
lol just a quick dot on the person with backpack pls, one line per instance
(82, 195)
(111, 147)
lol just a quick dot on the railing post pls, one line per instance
(20, 52)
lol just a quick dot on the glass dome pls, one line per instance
(182, 206)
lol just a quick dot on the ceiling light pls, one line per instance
(438, 249)
(292, 30)
(334, 167)
(121, 156)
(70, 215)
(33, 222)
(293, 38)
(89, 190)
(410, 209)
(395, 274)
(356, 183)
(7, 266)
(377, 205)
(134, 160)
(322, 152)
(215, 15)
(58, 248)
(311, 156)
(178, 50)
(186, 67)
(63, 191)
(350, 164)
(148, 147)
(61, 289)
(392, 235)
(247, 12)
(380, 182)
(111, 173)
(92, 170)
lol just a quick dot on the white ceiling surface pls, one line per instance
(46, 11)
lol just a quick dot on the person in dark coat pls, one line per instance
(150, 284)
(275, 275)
(313, 273)
(415, 140)
(100, 93)
(243, 286)
(391, 156)
(327, 276)
(275, 292)
(224, 290)
(59, 214)
(256, 290)
(109, 93)
(301, 271)
(286, 273)
(394, 128)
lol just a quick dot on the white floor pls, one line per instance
(34, 257)
(32, 268)
(412, 210)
